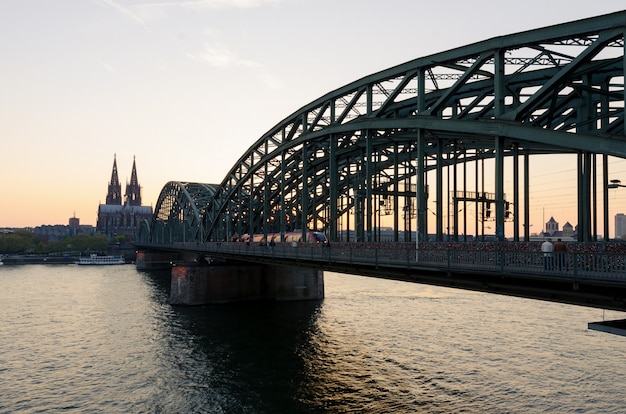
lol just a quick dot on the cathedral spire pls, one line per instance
(114, 195)
(133, 191)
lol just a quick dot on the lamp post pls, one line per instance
(615, 184)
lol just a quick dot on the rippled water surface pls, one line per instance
(92, 340)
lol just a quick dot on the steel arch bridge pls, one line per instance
(373, 152)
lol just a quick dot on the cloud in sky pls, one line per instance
(140, 11)
(124, 10)
(219, 56)
(211, 4)
(109, 68)
(214, 54)
(159, 9)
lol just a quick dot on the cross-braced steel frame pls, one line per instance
(178, 213)
(372, 153)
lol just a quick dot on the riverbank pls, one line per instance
(37, 259)
(128, 251)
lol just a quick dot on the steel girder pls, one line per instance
(178, 213)
(354, 150)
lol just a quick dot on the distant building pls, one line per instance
(620, 226)
(122, 219)
(552, 227)
(74, 222)
(568, 230)
(75, 227)
(47, 232)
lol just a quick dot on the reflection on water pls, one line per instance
(256, 350)
(76, 339)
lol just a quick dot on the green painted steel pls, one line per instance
(178, 213)
(364, 150)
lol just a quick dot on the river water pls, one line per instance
(105, 340)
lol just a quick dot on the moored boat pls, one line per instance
(94, 259)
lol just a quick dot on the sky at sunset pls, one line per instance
(187, 86)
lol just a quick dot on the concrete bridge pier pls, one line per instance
(155, 260)
(198, 284)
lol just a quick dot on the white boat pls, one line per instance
(94, 259)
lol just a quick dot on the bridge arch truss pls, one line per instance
(178, 213)
(373, 153)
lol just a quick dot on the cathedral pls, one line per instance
(122, 217)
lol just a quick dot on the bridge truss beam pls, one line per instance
(389, 143)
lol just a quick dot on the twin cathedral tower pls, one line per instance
(122, 216)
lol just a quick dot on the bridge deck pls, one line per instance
(596, 279)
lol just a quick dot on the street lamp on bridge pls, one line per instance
(615, 184)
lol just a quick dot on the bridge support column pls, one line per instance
(193, 284)
(155, 260)
(295, 283)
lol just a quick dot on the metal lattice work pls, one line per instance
(178, 213)
(365, 150)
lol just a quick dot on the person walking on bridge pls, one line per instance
(547, 248)
(559, 250)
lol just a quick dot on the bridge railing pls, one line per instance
(595, 265)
